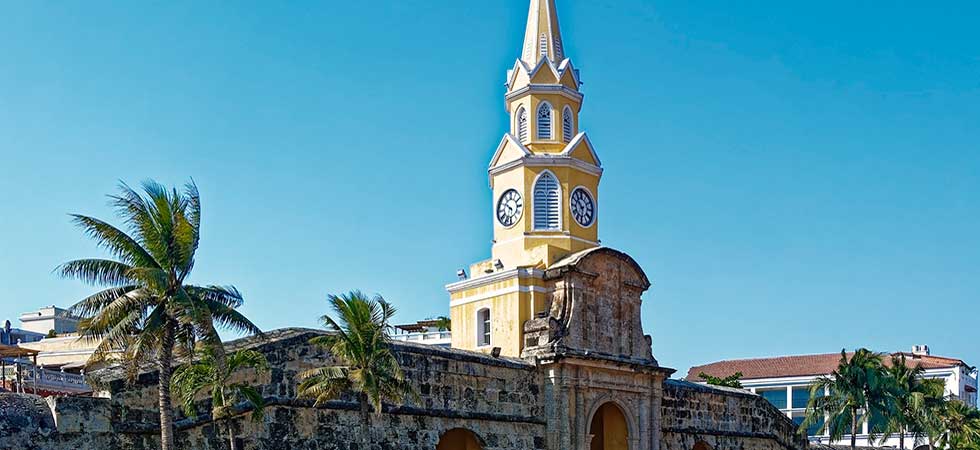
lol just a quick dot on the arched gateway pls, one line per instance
(459, 439)
(609, 429)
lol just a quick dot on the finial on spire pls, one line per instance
(543, 37)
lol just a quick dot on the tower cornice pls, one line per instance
(564, 91)
(545, 160)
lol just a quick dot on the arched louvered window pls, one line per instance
(567, 125)
(544, 121)
(483, 327)
(521, 124)
(547, 203)
(544, 45)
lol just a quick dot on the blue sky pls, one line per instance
(794, 178)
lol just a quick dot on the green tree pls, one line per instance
(443, 323)
(146, 309)
(856, 391)
(911, 395)
(213, 372)
(957, 426)
(359, 340)
(732, 381)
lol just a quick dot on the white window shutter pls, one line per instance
(567, 125)
(547, 203)
(544, 121)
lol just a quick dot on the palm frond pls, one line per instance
(89, 306)
(98, 272)
(115, 241)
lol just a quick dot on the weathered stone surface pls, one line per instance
(589, 352)
(724, 418)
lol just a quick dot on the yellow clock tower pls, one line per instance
(545, 181)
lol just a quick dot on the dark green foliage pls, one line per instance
(146, 311)
(732, 381)
(359, 341)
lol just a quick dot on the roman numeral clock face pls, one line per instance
(583, 207)
(509, 208)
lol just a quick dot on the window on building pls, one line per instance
(544, 121)
(801, 397)
(813, 429)
(544, 45)
(547, 203)
(775, 396)
(521, 124)
(483, 327)
(567, 125)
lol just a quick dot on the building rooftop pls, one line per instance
(805, 365)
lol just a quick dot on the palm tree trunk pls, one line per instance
(231, 434)
(166, 407)
(901, 437)
(365, 418)
(854, 429)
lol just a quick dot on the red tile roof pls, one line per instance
(803, 365)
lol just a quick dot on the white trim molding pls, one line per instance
(545, 161)
(498, 293)
(579, 138)
(496, 277)
(552, 235)
(559, 89)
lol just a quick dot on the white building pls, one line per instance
(785, 381)
(30, 361)
(427, 332)
(47, 319)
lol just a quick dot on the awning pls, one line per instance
(12, 351)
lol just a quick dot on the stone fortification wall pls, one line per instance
(503, 402)
(497, 399)
(724, 419)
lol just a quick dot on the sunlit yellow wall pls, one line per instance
(609, 429)
(518, 299)
(558, 102)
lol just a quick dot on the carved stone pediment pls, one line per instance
(594, 310)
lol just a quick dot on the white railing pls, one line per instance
(52, 380)
(426, 336)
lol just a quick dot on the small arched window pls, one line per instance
(544, 121)
(483, 327)
(547, 203)
(567, 125)
(521, 124)
(544, 45)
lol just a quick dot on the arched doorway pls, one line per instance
(701, 445)
(609, 429)
(459, 439)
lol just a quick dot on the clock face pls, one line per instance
(583, 207)
(509, 208)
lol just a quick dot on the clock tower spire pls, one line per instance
(544, 177)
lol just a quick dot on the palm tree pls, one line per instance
(851, 394)
(146, 311)
(359, 340)
(214, 372)
(911, 395)
(443, 323)
(958, 426)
